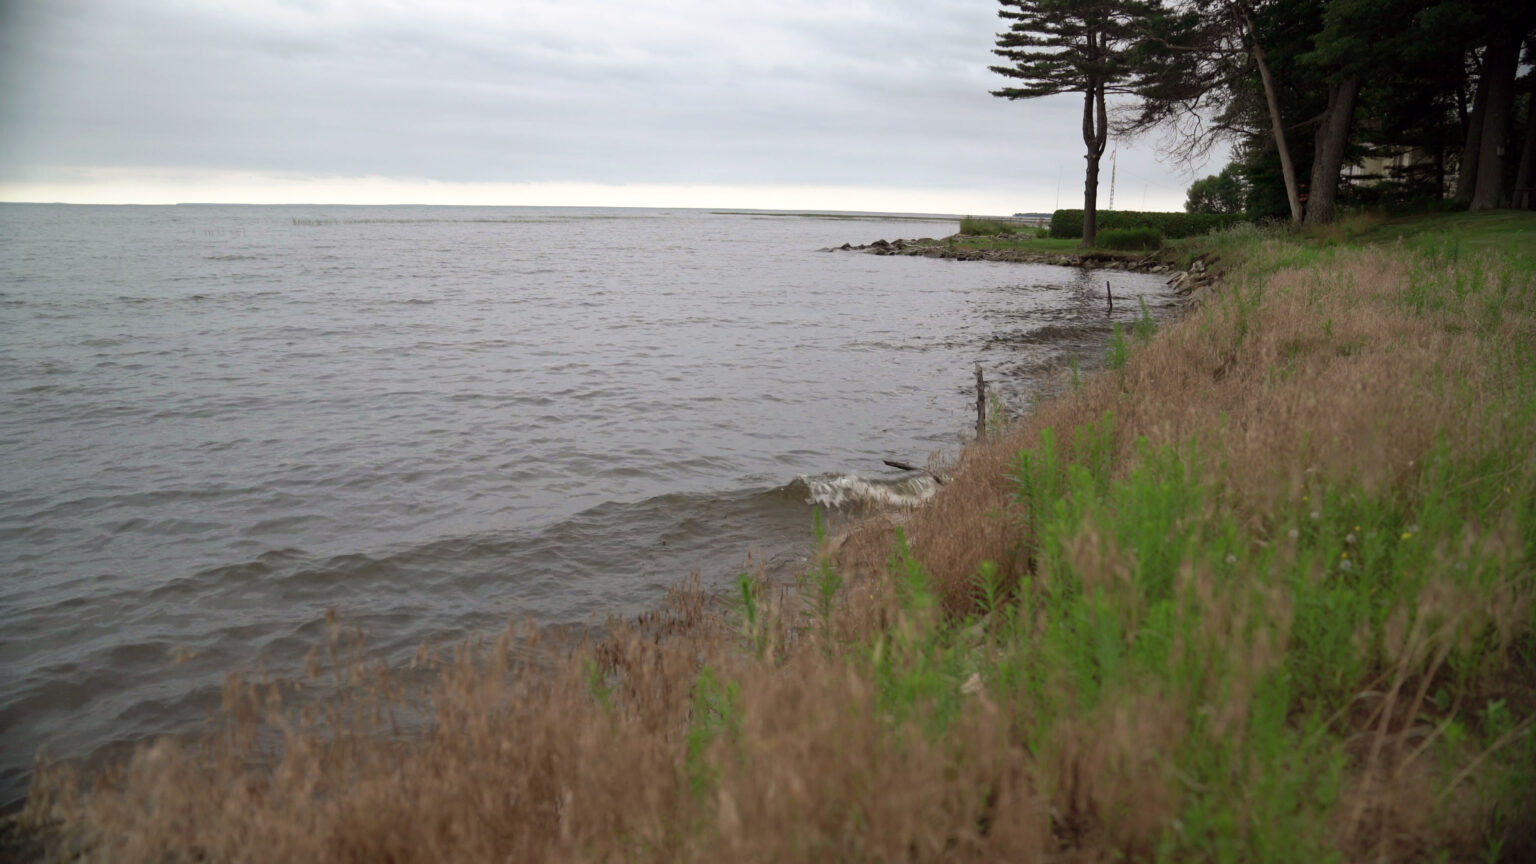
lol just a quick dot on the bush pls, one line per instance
(1068, 224)
(1130, 238)
(974, 227)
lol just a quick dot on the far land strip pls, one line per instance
(1188, 279)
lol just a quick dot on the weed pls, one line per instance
(1118, 352)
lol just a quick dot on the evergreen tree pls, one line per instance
(1233, 62)
(1071, 46)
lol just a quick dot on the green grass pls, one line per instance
(1130, 238)
(1509, 233)
(1042, 245)
(974, 226)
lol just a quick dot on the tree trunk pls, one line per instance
(1525, 196)
(1328, 154)
(1095, 136)
(1499, 66)
(1277, 127)
(1466, 171)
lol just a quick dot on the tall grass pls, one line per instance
(1261, 592)
(975, 226)
(1129, 238)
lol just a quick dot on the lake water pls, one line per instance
(219, 422)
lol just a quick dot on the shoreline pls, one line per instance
(1191, 276)
(1225, 594)
(947, 249)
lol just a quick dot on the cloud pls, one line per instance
(676, 93)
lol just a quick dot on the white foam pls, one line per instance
(851, 490)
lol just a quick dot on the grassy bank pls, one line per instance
(1261, 591)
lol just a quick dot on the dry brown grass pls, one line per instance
(1323, 375)
(702, 734)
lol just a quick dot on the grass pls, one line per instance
(1263, 590)
(976, 226)
(1047, 245)
(1130, 238)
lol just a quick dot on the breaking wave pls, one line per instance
(852, 491)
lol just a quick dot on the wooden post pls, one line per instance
(1111, 295)
(981, 405)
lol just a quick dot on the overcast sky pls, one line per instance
(833, 104)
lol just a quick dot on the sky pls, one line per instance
(790, 104)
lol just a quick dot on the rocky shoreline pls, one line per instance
(1188, 283)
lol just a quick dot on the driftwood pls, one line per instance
(937, 478)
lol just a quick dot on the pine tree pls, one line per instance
(1070, 46)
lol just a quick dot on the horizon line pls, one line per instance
(724, 211)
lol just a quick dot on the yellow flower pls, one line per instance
(1407, 535)
(1343, 554)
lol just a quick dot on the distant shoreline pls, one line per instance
(927, 247)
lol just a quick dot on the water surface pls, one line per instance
(219, 422)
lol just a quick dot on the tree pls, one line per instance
(1217, 59)
(1218, 193)
(1499, 67)
(1525, 175)
(1071, 46)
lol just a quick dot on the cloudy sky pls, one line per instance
(831, 104)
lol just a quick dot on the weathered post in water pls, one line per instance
(981, 405)
(1111, 295)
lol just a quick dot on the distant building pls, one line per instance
(1401, 166)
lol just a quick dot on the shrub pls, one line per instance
(1130, 238)
(1068, 224)
(973, 226)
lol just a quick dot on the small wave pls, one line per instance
(851, 490)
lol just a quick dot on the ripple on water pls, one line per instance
(236, 421)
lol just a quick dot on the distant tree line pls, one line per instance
(1428, 89)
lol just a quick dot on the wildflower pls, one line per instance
(1343, 554)
(1407, 535)
(1349, 538)
(1293, 533)
(1316, 515)
(1346, 565)
(1231, 559)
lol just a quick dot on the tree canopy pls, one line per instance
(1387, 101)
(1218, 193)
